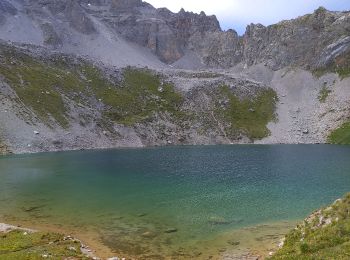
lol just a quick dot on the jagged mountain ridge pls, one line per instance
(310, 41)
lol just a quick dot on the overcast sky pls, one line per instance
(237, 14)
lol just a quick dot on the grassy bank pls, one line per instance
(19, 244)
(323, 235)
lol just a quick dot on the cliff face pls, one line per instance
(310, 41)
(165, 33)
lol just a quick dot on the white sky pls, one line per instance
(237, 14)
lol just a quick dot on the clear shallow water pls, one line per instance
(132, 196)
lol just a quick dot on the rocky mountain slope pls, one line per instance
(112, 73)
(55, 102)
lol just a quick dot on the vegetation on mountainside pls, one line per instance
(340, 135)
(250, 115)
(324, 93)
(340, 66)
(324, 235)
(37, 85)
(52, 86)
(140, 95)
(45, 87)
(33, 246)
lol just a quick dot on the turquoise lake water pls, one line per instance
(132, 197)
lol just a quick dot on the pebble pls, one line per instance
(306, 131)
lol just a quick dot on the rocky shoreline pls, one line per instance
(72, 246)
(76, 246)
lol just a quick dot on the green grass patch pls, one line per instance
(250, 115)
(314, 241)
(42, 85)
(324, 93)
(137, 98)
(32, 246)
(340, 135)
(39, 85)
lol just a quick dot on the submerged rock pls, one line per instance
(218, 221)
(171, 230)
(148, 234)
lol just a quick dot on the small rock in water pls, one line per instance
(142, 215)
(218, 221)
(36, 132)
(171, 230)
